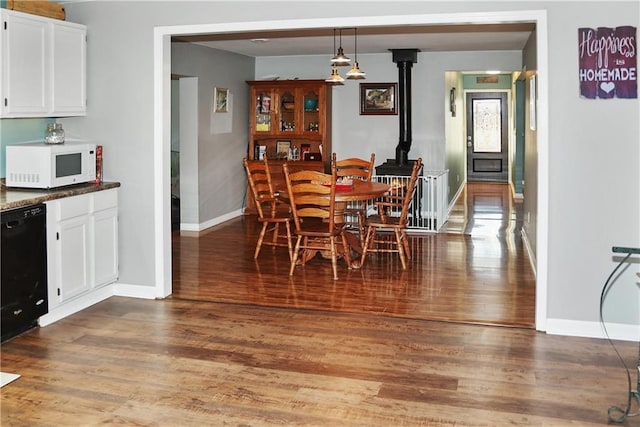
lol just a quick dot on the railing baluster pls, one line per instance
(430, 206)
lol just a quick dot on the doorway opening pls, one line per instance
(162, 71)
(487, 136)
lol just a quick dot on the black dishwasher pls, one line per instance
(23, 269)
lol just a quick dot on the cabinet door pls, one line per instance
(311, 117)
(105, 225)
(69, 70)
(73, 254)
(262, 121)
(25, 67)
(289, 104)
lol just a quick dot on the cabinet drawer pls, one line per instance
(105, 199)
(73, 206)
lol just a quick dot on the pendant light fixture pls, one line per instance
(340, 59)
(355, 73)
(335, 78)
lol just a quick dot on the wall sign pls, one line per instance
(608, 65)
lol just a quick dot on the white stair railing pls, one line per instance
(429, 208)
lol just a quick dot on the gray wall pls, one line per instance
(456, 140)
(434, 131)
(530, 187)
(359, 136)
(220, 178)
(593, 145)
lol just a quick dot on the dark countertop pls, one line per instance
(11, 198)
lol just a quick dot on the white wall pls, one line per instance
(592, 154)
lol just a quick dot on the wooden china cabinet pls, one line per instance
(285, 114)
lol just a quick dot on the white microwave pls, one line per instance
(40, 165)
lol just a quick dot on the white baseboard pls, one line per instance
(76, 305)
(134, 291)
(85, 301)
(212, 222)
(455, 198)
(529, 250)
(576, 328)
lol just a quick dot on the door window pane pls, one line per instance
(486, 126)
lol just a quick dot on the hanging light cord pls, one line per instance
(334, 41)
(355, 32)
(616, 413)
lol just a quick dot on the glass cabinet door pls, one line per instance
(311, 115)
(263, 109)
(288, 110)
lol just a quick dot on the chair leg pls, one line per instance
(289, 244)
(274, 236)
(334, 257)
(400, 245)
(361, 227)
(260, 239)
(405, 241)
(295, 256)
(367, 241)
(347, 250)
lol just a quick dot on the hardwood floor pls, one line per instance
(477, 272)
(175, 362)
(320, 356)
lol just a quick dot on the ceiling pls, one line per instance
(426, 38)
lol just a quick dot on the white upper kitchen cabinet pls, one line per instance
(69, 73)
(43, 69)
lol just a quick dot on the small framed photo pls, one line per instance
(452, 101)
(378, 98)
(282, 148)
(221, 100)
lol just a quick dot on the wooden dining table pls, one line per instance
(358, 191)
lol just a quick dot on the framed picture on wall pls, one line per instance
(220, 100)
(378, 98)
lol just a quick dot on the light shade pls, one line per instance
(340, 59)
(355, 73)
(334, 78)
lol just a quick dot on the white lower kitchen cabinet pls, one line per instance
(82, 250)
(105, 229)
(69, 258)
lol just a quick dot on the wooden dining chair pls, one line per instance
(393, 213)
(312, 200)
(355, 168)
(271, 211)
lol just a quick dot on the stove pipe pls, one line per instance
(404, 58)
(401, 165)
